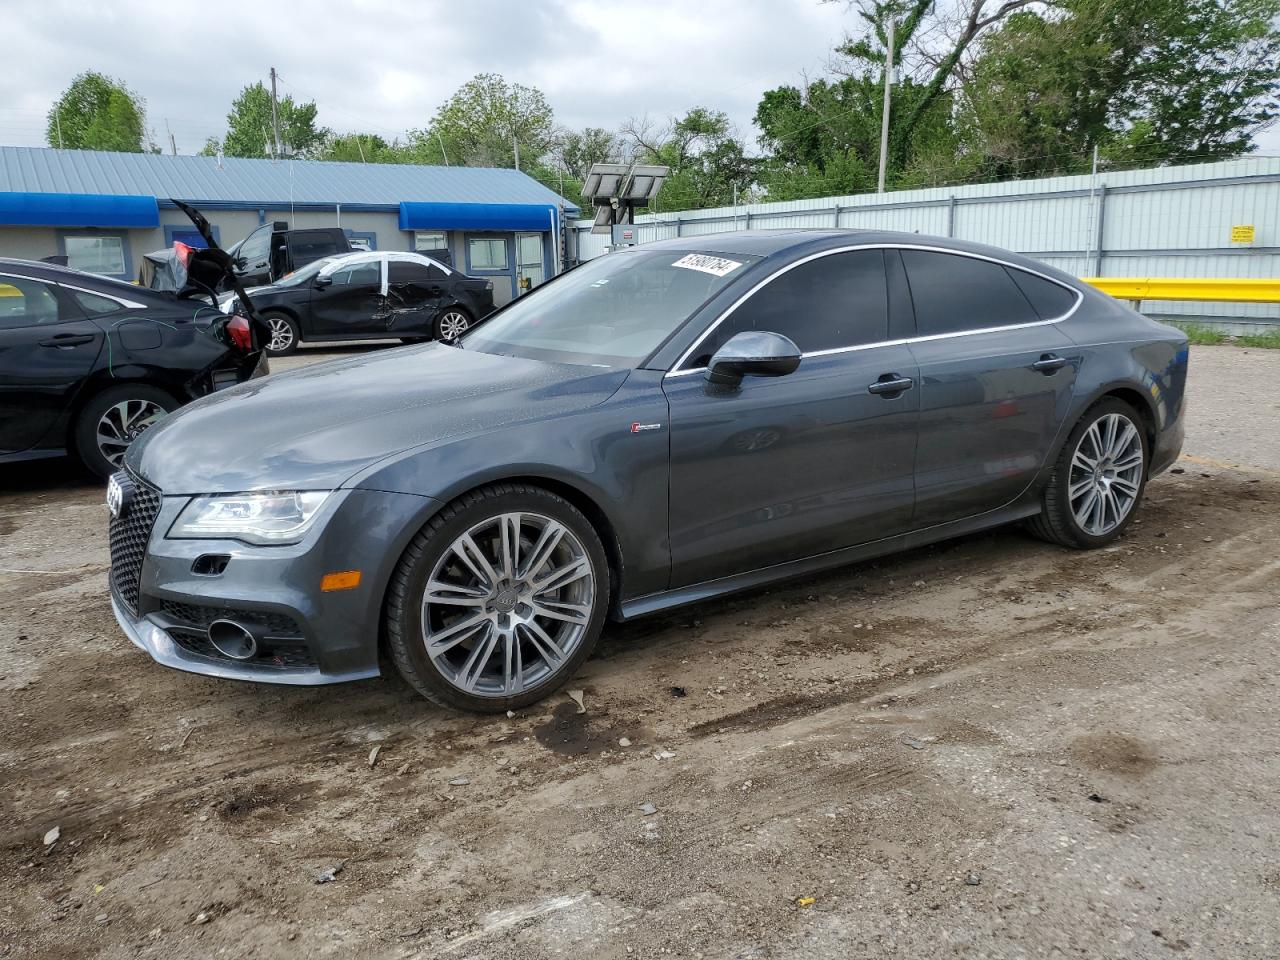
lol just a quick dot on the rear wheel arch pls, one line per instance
(96, 386)
(1124, 391)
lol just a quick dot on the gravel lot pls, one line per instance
(989, 748)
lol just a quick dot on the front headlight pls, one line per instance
(261, 518)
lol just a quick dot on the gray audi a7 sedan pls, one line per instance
(661, 425)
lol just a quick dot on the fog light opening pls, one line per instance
(233, 640)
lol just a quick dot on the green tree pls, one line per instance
(97, 113)
(360, 148)
(709, 164)
(249, 125)
(1145, 81)
(482, 124)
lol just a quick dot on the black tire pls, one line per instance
(403, 612)
(1057, 523)
(136, 398)
(274, 318)
(446, 321)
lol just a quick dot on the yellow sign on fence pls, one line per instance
(1242, 233)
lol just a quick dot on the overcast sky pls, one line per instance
(384, 67)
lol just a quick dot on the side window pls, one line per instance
(835, 301)
(406, 271)
(26, 303)
(94, 305)
(1051, 300)
(368, 274)
(256, 246)
(952, 293)
(312, 246)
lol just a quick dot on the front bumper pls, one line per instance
(314, 637)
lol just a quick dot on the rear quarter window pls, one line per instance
(954, 293)
(1051, 300)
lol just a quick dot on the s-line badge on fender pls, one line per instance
(645, 427)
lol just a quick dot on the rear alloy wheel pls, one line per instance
(283, 336)
(114, 419)
(1098, 481)
(451, 324)
(499, 600)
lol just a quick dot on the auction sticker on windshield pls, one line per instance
(716, 266)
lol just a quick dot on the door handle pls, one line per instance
(890, 385)
(68, 340)
(1049, 364)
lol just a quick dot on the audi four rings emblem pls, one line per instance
(119, 494)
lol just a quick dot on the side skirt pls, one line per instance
(709, 589)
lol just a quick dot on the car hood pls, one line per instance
(314, 428)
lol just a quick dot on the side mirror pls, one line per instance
(753, 353)
(322, 282)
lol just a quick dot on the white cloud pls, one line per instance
(384, 67)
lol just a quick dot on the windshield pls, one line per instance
(303, 274)
(612, 311)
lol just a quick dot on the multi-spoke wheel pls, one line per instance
(451, 324)
(1098, 480)
(114, 419)
(282, 334)
(499, 599)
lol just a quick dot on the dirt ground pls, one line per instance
(989, 748)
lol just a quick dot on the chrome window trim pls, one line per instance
(675, 371)
(129, 304)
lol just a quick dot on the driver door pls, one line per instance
(352, 302)
(777, 469)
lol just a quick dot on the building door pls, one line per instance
(530, 269)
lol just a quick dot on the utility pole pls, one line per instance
(173, 144)
(57, 122)
(440, 140)
(275, 117)
(515, 143)
(884, 118)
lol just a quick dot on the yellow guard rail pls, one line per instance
(1188, 288)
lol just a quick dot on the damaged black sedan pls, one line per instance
(88, 363)
(365, 296)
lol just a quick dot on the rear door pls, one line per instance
(997, 377)
(47, 347)
(415, 292)
(778, 469)
(352, 303)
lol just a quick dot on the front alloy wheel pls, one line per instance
(282, 336)
(498, 600)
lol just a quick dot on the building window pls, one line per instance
(487, 254)
(96, 254)
(427, 240)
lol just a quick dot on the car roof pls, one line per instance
(768, 243)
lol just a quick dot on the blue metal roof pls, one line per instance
(276, 183)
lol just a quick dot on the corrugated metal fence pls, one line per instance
(1155, 222)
